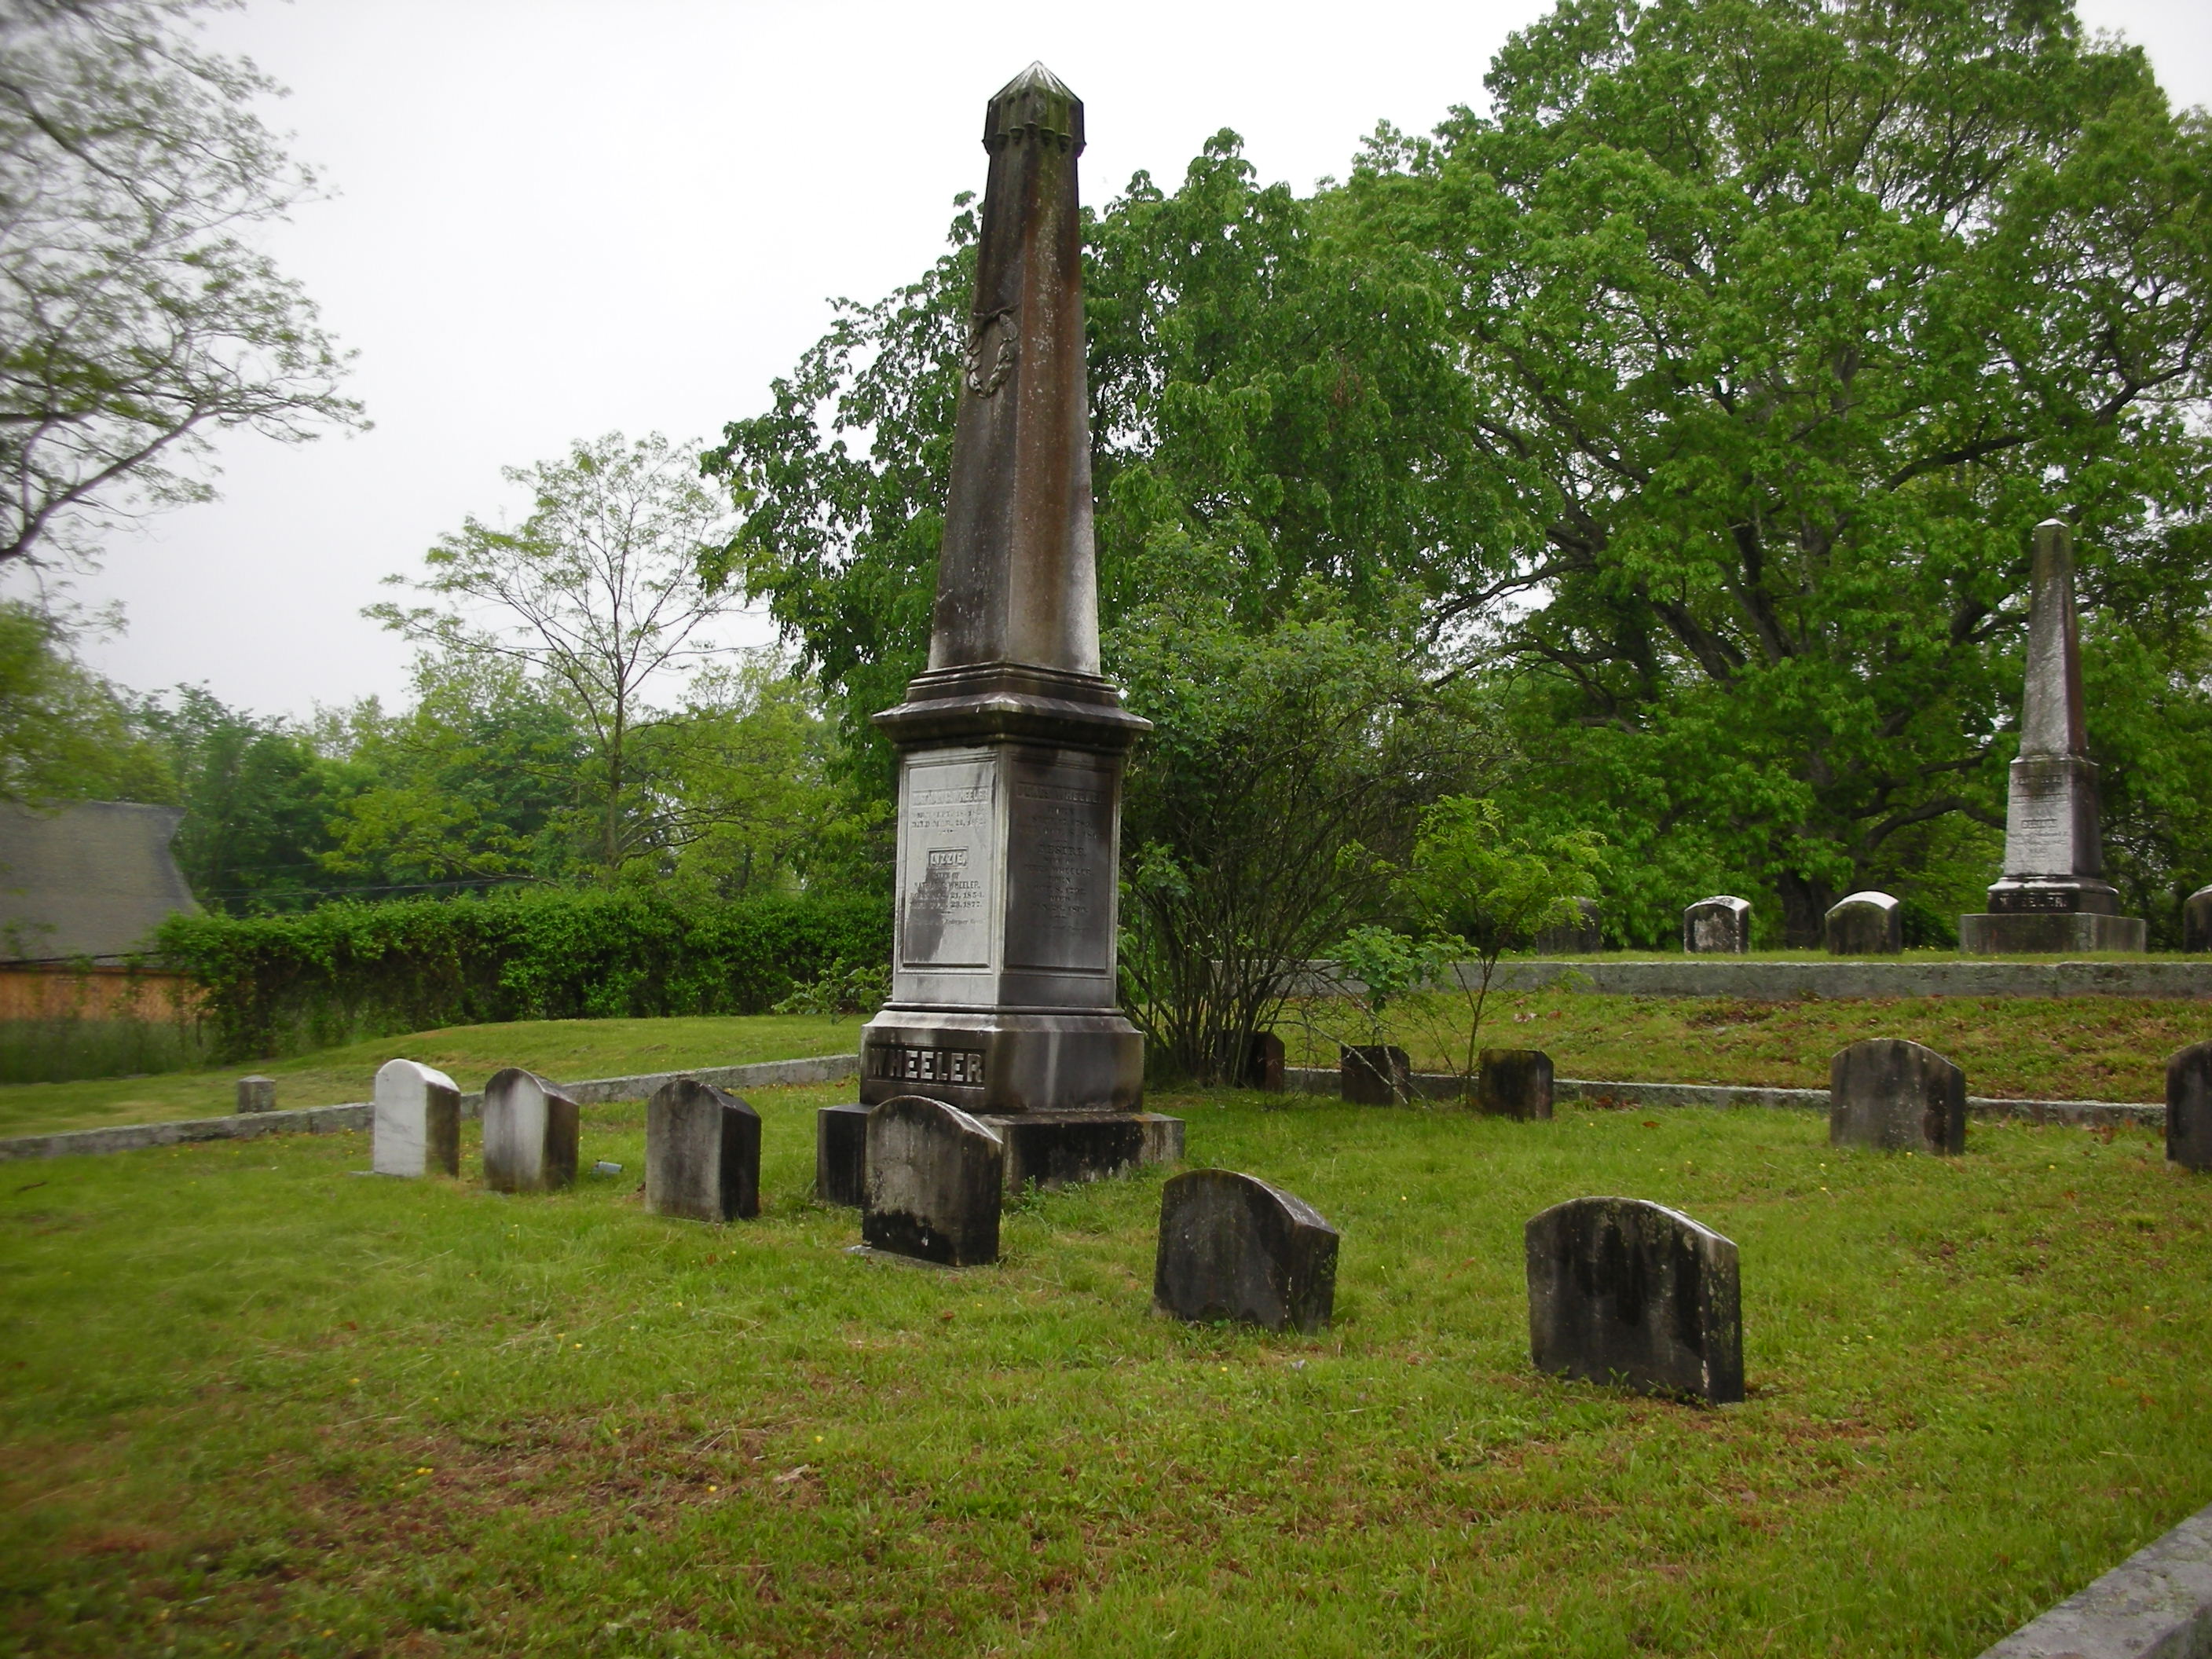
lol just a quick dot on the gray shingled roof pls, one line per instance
(92, 879)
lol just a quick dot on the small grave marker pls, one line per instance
(2189, 1107)
(1721, 924)
(530, 1131)
(1623, 1291)
(703, 1148)
(1889, 1093)
(935, 1179)
(1374, 1074)
(1515, 1082)
(1232, 1246)
(256, 1094)
(1864, 924)
(416, 1126)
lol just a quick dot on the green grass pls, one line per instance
(562, 1048)
(250, 1404)
(2011, 1048)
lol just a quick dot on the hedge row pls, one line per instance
(275, 984)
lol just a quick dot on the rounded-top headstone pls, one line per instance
(1865, 925)
(415, 1122)
(2196, 921)
(532, 1130)
(2189, 1107)
(1896, 1094)
(1625, 1291)
(703, 1148)
(1721, 924)
(1232, 1246)
(936, 1179)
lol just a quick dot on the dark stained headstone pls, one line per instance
(2196, 921)
(841, 1155)
(936, 1180)
(1515, 1082)
(256, 1094)
(1899, 1097)
(1628, 1292)
(1864, 924)
(1232, 1246)
(1374, 1074)
(1254, 1061)
(530, 1131)
(1721, 924)
(2189, 1107)
(1582, 937)
(702, 1151)
(2052, 896)
(417, 1122)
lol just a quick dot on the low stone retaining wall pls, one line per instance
(1844, 978)
(1437, 1085)
(328, 1119)
(2157, 1604)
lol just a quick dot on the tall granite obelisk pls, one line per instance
(2052, 896)
(1004, 1001)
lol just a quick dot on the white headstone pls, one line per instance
(417, 1124)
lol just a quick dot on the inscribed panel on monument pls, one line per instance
(945, 861)
(1060, 854)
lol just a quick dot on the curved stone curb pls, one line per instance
(2157, 1604)
(1856, 978)
(329, 1119)
(1440, 1085)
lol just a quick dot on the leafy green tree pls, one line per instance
(597, 594)
(1284, 773)
(1787, 320)
(64, 734)
(136, 316)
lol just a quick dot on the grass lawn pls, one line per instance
(558, 1048)
(250, 1404)
(2011, 1048)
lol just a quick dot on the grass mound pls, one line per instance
(250, 1404)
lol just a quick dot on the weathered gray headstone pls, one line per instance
(1374, 1074)
(703, 1149)
(1515, 1082)
(2189, 1107)
(1012, 741)
(256, 1094)
(1898, 1095)
(531, 1132)
(1232, 1246)
(2196, 921)
(1721, 924)
(1864, 924)
(1582, 937)
(417, 1126)
(936, 1178)
(1625, 1291)
(2052, 896)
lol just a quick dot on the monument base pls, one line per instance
(1043, 1149)
(2050, 932)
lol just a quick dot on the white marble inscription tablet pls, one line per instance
(946, 842)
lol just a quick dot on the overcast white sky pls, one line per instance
(555, 220)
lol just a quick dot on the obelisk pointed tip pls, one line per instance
(1037, 102)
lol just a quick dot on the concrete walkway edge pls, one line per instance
(2157, 1604)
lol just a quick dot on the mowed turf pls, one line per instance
(559, 1049)
(2011, 1048)
(251, 1403)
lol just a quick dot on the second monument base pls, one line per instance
(1043, 1149)
(2051, 932)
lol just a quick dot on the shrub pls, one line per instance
(275, 984)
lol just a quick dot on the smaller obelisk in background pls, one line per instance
(2053, 896)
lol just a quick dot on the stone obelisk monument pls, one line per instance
(2053, 896)
(1004, 1001)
